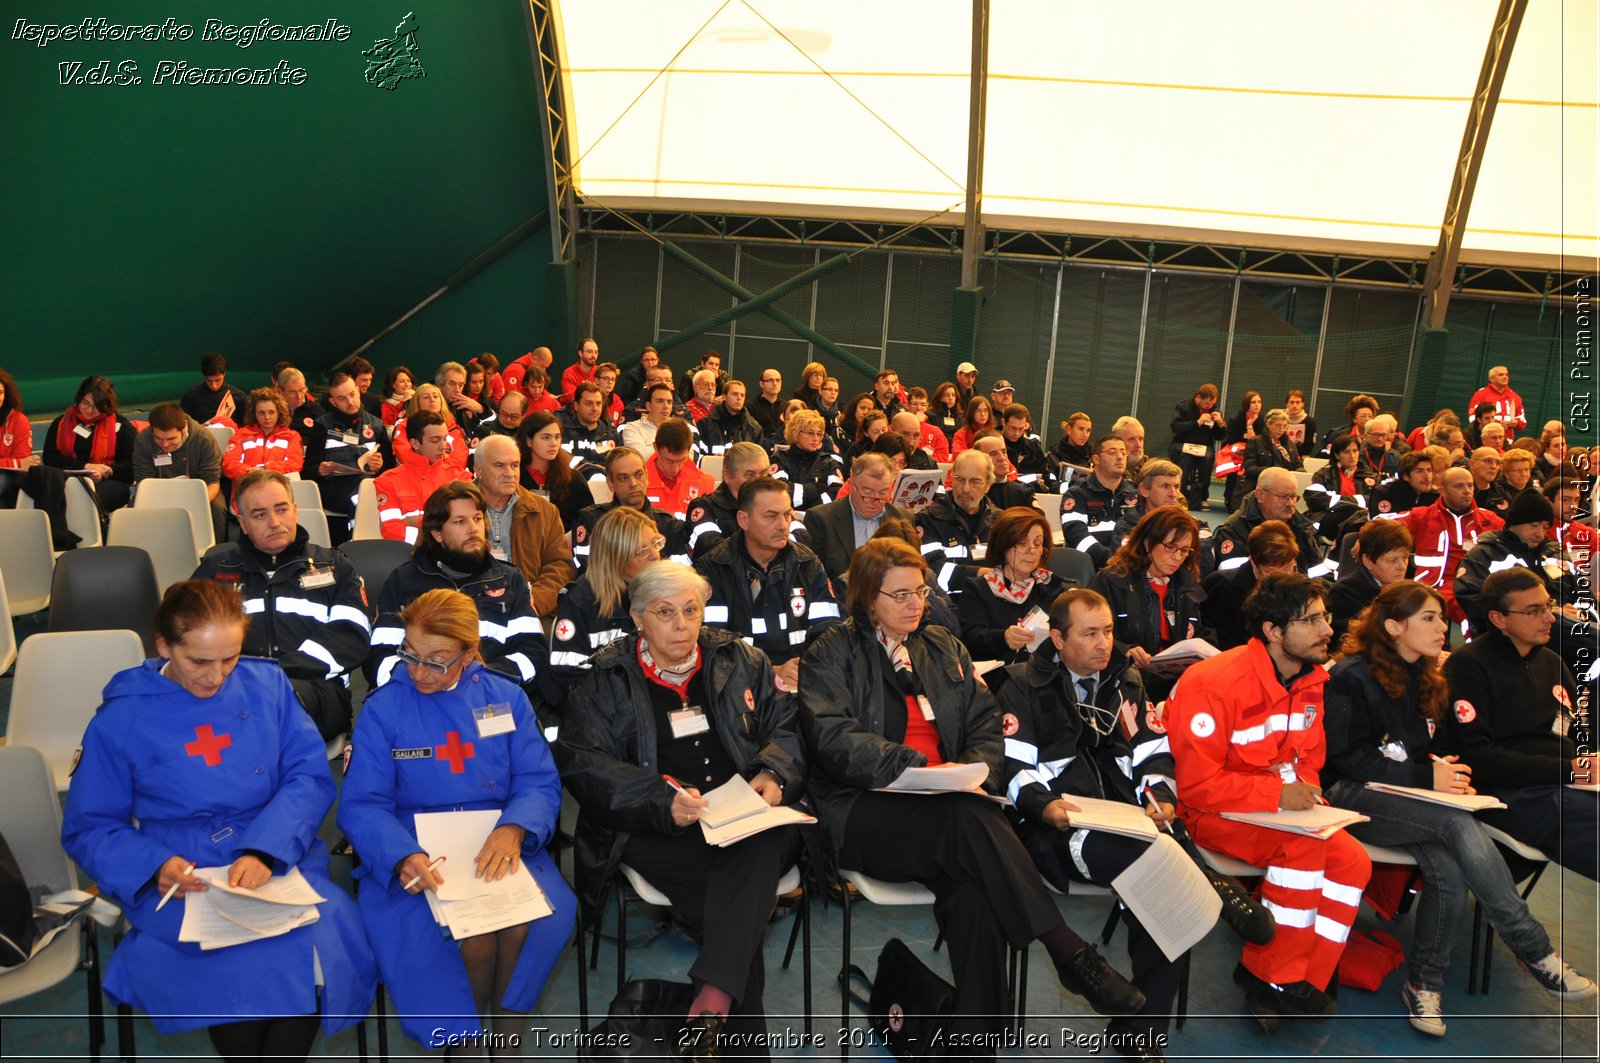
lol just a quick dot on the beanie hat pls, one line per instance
(1529, 507)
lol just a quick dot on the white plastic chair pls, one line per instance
(1314, 465)
(711, 465)
(222, 434)
(159, 533)
(60, 676)
(83, 514)
(601, 491)
(30, 820)
(8, 630)
(26, 560)
(367, 526)
(305, 494)
(315, 522)
(1050, 506)
(189, 495)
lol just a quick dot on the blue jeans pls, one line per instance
(1454, 854)
(1558, 820)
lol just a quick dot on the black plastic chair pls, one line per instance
(106, 588)
(375, 559)
(1072, 566)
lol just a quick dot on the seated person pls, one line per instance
(347, 446)
(993, 603)
(1272, 549)
(23, 470)
(1512, 718)
(93, 439)
(1525, 542)
(264, 439)
(549, 469)
(811, 467)
(1159, 484)
(398, 387)
(176, 447)
(508, 415)
(1381, 554)
(955, 526)
(662, 717)
(728, 422)
(588, 434)
(641, 432)
(1340, 488)
(883, 692)
(1412, 488)
(765, 588)
(1384, 700)
(1153, 585)
(941, 610)
(440, 987)
(1094, 505)
(672, 481)
(592, 611)
(837, 529)
(1271, 449)
(214, 399)
(1077, 722)
(458, 445)
(404, 490)
(1246, 729)
(452, 551)
(524, 528)
(1025, 452)
(1273, 499)
(1007, 490)
(625, 476)
(713, 517)
(309, 604)
(199, 758)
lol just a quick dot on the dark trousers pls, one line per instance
(725, 897)
(1196, 482)
(1558, 820)
(986, 890)
(1106, 856)
(327, 702)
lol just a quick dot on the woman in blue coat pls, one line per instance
(421, 746)
(203, 759)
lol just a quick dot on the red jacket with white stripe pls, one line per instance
(1507, 407)
(16, 440)
(1231, 723)
(250, 448)
(1440, 539)
(404, 490)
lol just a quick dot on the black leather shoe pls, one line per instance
(1128, 1043)
(698, 1040)
(1092, 978)
(1295, 998)
(1244, 915)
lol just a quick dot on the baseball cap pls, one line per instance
(966, 367)
(1002, 385)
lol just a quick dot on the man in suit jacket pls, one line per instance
(838, 528)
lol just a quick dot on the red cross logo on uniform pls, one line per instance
(455, 751)
(208, 744)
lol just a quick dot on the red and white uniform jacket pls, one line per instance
(1441, 539)
(16, 440)
(404, 490)
(250, 448)
(675, 497)
(456, 450)
(1507, 407)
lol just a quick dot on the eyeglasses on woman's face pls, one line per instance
(906, 597)
(436, 667)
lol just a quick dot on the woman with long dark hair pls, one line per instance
(1383, 702)
(547, 466)
(944, 410)
(397, 391)
(1243, 427)
(979, 418)
(1153, 585)
(94, 439)
(993, 605)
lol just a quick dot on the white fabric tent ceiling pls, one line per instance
(1239, 121)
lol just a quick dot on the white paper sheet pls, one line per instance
(766, 819)
(945, 778)
(1319, 822)
(1180, 655)
(733, 800)
(517, 898)
(1115, 817)
(458, 837)
(1170, 896)
(1470, 802)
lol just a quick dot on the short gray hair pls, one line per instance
(448, 368)
(1275, 479)
(742, 456)
(495, 439)
(872, 464)
(1275, 416)
(664, 579)
(1125, 422)
(1153, 470)
(977, 455)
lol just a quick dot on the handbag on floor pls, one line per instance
(909, 1005)
(643, 1022)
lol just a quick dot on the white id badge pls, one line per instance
(688, 721)
(1196, 450)
(349, 439)
(83, 431)
(494, 720)
(313, 578)
(926, 706)
(501, 555)
(161, 459)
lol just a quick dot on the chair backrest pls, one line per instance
(1301, 480)
(1072, 565)
(26, 559)
(711, 465)
(305, 494)
(222, 434)
(315, 522)
(375, 559)
(60, 676)
(601, 490)
(1314, 465)
(83, 514)
(1050, 506)
(367, 526)
(30, 819)
(160, 533)
(188, 495)
(106, 589)
(8, 630)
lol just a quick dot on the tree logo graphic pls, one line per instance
(393, 59)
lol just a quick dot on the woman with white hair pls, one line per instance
(664, 716)
(1272, 449)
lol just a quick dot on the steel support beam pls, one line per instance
(978, 102)
(544, 37)
(1474, 140)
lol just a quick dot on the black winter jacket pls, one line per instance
(1135, 609)
(1371, 736)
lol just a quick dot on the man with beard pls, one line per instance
(452, 551)
(307, 604)
(1246, 733)
(348, 445)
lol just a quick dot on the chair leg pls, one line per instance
(125, 1045)
(1183, 995)
(361, 1040)
(938, 941)
(1488, 953)
(583, 971)
(622, 935)
(794, 935)
(1110, 929)
(805, 955)
(599, 920)
(91, 968)
(383, 1025)
(844, 976)
(1472, 960)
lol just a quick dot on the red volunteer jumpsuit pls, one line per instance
(1440, 540)
(1237, 736)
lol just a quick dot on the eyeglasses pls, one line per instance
(907, 596)
(1534, 611)
(1313, 619)
(435, 667)
(1177, 551)
(656, 546)
(869, 494)
(691, 614)
(1289, 498)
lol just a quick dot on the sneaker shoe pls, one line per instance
(1559, 980)
(1425, 1009)
(1244, 916)
(1092, 978)
(1293, 998)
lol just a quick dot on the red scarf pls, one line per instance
(102, 445)
(676, 680)
(1017, 592)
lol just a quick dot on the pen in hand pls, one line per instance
(172, 889)
(434, 866)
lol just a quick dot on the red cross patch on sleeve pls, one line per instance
(1009, 724)
(1465, 713)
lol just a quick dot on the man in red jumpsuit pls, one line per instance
(1246, 733)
